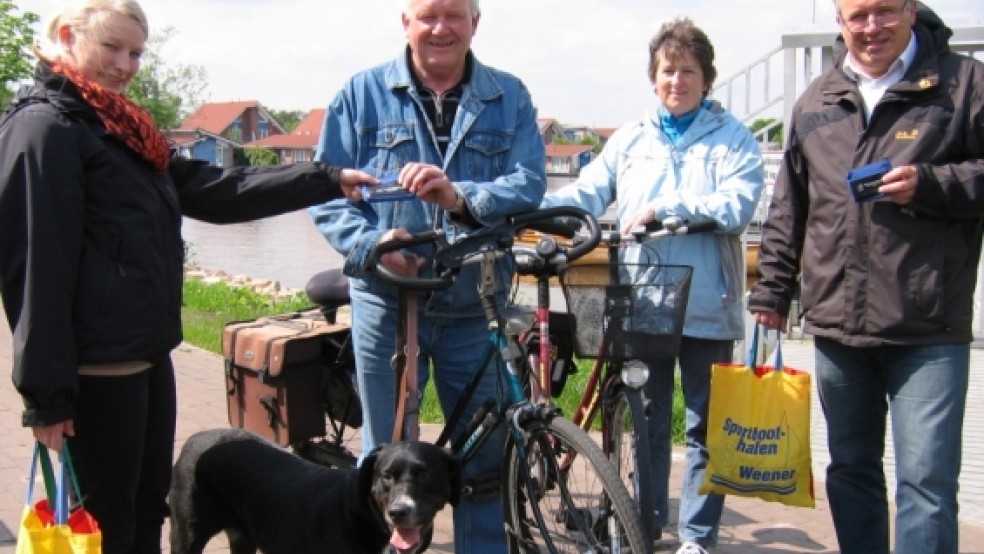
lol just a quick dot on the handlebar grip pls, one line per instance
(677, 226)
(702, 226)
(402, 281)
(395, 244)
(558, 227)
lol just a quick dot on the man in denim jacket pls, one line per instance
(463, 138)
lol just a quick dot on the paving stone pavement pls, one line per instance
(748, 525)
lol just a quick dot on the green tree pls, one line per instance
(16, 37)
(288, 119)
(261, 156)
(774, 134)
(593, 142)
(168, 92)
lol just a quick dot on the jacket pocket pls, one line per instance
(392, 147)
(484, 154)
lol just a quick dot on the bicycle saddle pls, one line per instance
(328, 289)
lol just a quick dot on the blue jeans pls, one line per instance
(453, 346)
(700, 515)
(925, 390)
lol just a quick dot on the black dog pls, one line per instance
(265, 497)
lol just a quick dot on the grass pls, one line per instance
(209, 306)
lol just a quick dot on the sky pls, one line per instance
(584, 61)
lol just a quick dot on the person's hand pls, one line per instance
(641, 217)
(899, 184)
(350, 180)
(398, 262)
(772, 320)
(53, 436)
(429, 183)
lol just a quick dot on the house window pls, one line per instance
(220, 154)
(235, 132)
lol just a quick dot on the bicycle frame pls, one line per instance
(536, 437)
(510, 354)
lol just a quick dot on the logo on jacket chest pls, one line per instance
(907, 135)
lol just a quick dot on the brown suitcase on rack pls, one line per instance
(274, 375)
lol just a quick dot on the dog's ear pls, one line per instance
(455, 477)
(367, 470)
(360, 487)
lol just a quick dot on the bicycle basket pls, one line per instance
(636, 314)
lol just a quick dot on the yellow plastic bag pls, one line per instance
(55, 530)
(758, 432)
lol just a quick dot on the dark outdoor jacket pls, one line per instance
(90, 239)
(876, 273)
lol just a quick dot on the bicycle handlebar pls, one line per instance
(402, 281)
(547, 220)
(671, 226)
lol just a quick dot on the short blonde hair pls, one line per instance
(475, 8)
(90, 16)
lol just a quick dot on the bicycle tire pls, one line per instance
(630, 453)
(548, 511)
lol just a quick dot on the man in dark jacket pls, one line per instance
(887, 282)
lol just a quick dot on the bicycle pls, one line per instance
(622, 313)
(580, 507)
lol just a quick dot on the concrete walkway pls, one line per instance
(748, 526)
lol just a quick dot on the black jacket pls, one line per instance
(91, 253)
(875, 273)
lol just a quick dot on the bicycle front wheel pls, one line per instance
(563, 495)
(629, 451)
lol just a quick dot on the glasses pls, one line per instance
(881, 17)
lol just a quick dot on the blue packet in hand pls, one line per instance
(865, 180)
(388, 190)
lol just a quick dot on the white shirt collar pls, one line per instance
(873, 88)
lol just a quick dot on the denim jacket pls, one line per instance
(495, 160)
(713, 172)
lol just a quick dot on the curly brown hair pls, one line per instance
(678, 37)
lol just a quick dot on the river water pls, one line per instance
(287, 248)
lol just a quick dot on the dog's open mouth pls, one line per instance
(405, 539)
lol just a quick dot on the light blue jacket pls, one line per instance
(495, 159)
(714, 172)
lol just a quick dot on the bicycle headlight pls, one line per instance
(635, 376)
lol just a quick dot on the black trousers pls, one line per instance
(123, 451)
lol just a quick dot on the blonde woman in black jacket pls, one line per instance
(91, 257)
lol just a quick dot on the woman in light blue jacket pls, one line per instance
(693, 160)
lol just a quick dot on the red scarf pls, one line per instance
(122, 118)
